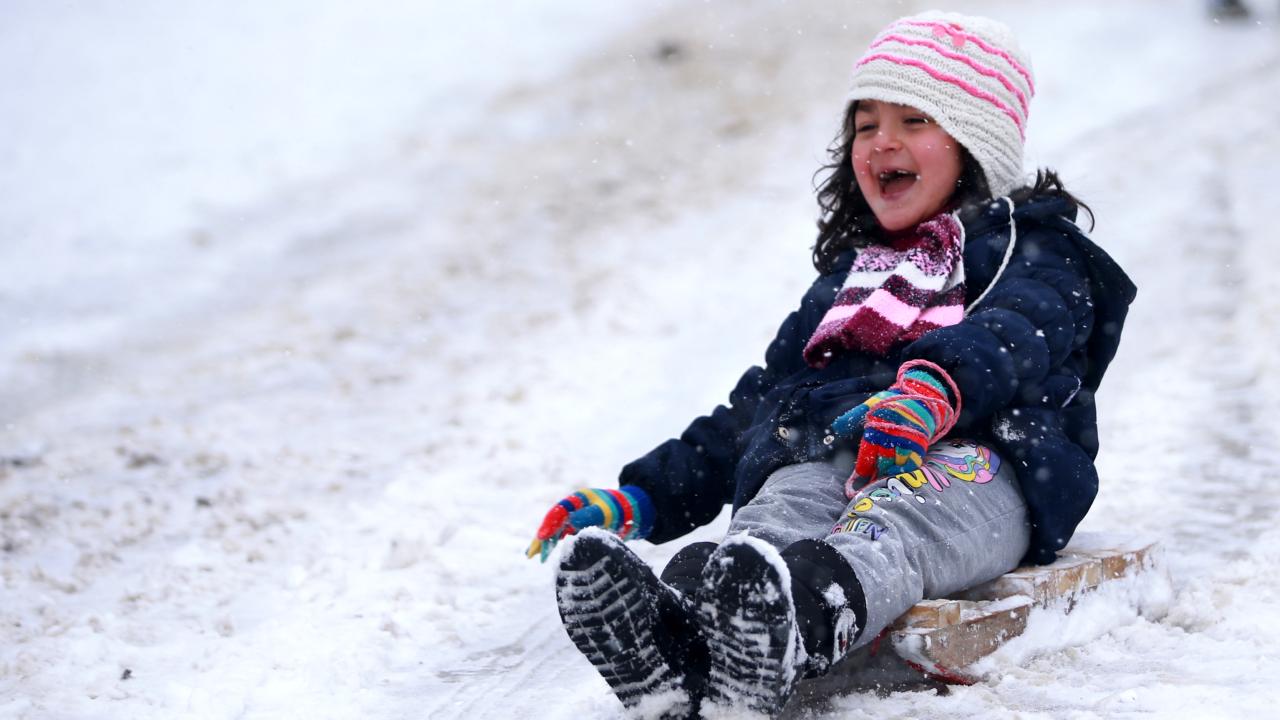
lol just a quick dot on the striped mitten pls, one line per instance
(627, 511)
(899, 424)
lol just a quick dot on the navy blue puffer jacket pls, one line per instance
(1027, 359)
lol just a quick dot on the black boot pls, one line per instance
(770, 618)
(830, 606)
(749, 619)
(683, 574)
(637, 631)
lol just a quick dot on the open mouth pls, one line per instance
(894, 182)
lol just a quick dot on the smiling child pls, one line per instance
(923, 423)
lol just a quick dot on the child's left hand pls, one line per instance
(627, 511)
(899, 424)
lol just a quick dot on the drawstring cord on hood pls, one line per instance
(1008, 255)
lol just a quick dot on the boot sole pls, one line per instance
(746, 610)
(608, 600)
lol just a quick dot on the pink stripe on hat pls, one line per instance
(957, 32)
(928, 56)
(952, 79)
(983, 69)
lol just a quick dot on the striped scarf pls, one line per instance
(896, 293)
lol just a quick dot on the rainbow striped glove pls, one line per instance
(627, 511)
(899, 424)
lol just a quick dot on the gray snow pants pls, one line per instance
(958, 521)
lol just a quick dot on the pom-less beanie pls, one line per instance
(968, 73)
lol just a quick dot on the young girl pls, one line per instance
(924, 421)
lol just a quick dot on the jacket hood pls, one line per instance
(1112, 292)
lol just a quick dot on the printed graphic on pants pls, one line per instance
(945, 463)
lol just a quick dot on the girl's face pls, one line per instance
(906, 164)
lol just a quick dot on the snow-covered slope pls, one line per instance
(310, 314)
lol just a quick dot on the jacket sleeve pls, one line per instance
(1014, 346)
(690, 478)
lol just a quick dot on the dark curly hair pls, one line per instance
(846, 221)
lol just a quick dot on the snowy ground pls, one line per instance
(309, 314)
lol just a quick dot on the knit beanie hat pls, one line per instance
(968, 73)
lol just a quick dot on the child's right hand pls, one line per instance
(627, 511)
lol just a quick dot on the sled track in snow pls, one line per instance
(1199, 286)
(502, 678)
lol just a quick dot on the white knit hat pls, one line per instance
(968, 73)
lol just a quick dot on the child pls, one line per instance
(924, 421)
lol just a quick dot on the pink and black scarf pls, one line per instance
(895, 293)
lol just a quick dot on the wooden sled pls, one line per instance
(943, 637)
(938, 641)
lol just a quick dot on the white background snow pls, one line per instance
(309, 311)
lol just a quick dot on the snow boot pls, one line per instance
(771, 618)
(830, 606)
(684, 571)
(748, 616)
(637, 631)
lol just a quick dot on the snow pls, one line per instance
(310, 314)
(834, 595)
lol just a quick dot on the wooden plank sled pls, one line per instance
(943, 637)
